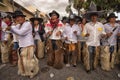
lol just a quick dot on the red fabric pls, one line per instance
(0, 27)
(8, 23)
(54, 24)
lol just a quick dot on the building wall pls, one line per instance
(7, 7)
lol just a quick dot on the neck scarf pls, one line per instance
(55, 23)
(8, 23)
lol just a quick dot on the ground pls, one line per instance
(10, 73)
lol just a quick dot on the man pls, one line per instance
(38, 33)
(93, 30)
(3, 39)
(71, 32)
(27, 61)
(112, 30)
(54, 29)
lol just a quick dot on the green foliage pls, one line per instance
(102, 4)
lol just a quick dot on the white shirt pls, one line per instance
(3, 33)
(15, 37)
(95, 31)
(48, 28)
(24, 33)
(69, 33)
(37, 36)
(81, 37)
(112, 40)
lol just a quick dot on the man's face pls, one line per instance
(54, 16)
(72, 22)
(112, 19)
(36, 22)
(20, 19)
(7, 19)
(94, 18)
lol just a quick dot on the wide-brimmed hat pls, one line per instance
(112, 15)
(11, 14)
(78, 19)
(93, 11)
(18, 13)
(54, 12)
(36, 18)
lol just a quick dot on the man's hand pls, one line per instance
(75, 32)
(103, 35)
(8, 28)
(109, 34)
(118, 34)
(5, 42)
(49, 33)
(87, 35)
(58, 33)
(33, 34)
(66, 38)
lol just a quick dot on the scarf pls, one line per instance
(54, 24)
(9, 23)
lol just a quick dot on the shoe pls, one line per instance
(74, 65)
(67, 65)
(88, 71)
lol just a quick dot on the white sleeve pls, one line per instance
(23, 31)
(4, 26)
(78, 30)
(103, 29)
(64, 32)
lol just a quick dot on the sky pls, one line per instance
(45, 5)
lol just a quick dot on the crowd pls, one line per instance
(67, 42)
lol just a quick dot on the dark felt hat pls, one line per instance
(64, 19)
(36, 18)
(18, 13)
(112, 15)
(54, 12)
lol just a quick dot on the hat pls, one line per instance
(36, 18)
(3, 14)
(78, 19)
(112, 15)
(64, 19)
(18, 13)
(54, 12)
(10, 14)
(72, 17)
(92, 11)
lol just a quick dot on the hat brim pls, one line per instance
(50, 14)
(19, 15)
(38, 19)
(112, 17)
(70, 19)
(89, 14)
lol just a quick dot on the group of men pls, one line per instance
(66, 41)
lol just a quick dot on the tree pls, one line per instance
(78, 4)
(106, 4)
(101, 4)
